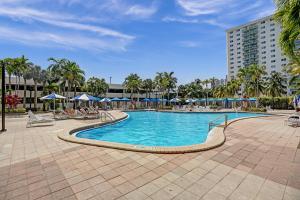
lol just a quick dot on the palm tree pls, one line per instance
(171, 82)
(27, 75)
(220, 91)
(252, 78)
(288, 15)
(233, 87)
(96, 86)
(36, 76)
(276, 84)
(148, 86)
(132, 83)
(71, 72)
(20, 66)
(9, 66)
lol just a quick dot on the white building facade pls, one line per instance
(256, 42)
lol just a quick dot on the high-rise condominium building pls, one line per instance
(256, 42)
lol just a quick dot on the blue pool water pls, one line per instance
(159, 128)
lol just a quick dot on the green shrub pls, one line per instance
(276, 102)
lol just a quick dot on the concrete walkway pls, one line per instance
(259, 160)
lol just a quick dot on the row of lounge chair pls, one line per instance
(201, 108)
(83, 113)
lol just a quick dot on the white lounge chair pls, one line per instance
(293, 120)
(34, 119)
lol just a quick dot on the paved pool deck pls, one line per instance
(259, 160)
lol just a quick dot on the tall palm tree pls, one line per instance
(72, 73)
(9, 66)
(233, 87)
(132, 83)
(288, 15)
(96, 86)
(148, 86)
(252, 79)
(276, 84)
(171, 82)
(27, 75)
(36, 76)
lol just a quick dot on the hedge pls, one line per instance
(276, 102)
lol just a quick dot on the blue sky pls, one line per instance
(117, 37)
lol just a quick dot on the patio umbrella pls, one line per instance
(84, 97)
(105, 100)
(146, 100)
(115, 99)
(175, 100)
(125, 99)
(52, 96)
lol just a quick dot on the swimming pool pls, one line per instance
(166, 129)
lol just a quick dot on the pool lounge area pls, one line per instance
(255, 162)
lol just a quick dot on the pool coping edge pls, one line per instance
(216, 137)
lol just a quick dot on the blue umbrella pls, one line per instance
(105, 100)
(146, 100)
(116, 99)
(125, 99)
(175, 100)
(85, 97)
(52, 96)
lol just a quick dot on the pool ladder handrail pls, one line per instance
(106, 114)
(213, 123)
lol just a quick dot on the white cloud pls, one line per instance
(67, 41)
(59, 20)
(202, 7)
(141, 11)
(212, 22)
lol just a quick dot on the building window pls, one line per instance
(231, 45)
(263, 27)
(283, 65)
(263, 42)
(263, 32)
(272, 56)
(272, 40)
(264, 62)
(283, 59)
(272, 24)
(231, 41)
(272, 35)
(264, 57)
(239, 52)
(238, 34)
(272, 45)
(273, 50)
(263, 22)
(264, 52)
(272, 61)
(232, 63)
(273, 66)
(238, 43)
(263, 37)
(264, 47)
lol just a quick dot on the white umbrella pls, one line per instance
(52, 96)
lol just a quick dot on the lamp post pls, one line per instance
(3, 97)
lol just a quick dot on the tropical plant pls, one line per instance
(252, 79)
(288, 15)
(27, 75)
(96, 86)
(276, 85)
(132, 83)
(148, 86)
(36, 76)
(171, 82)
